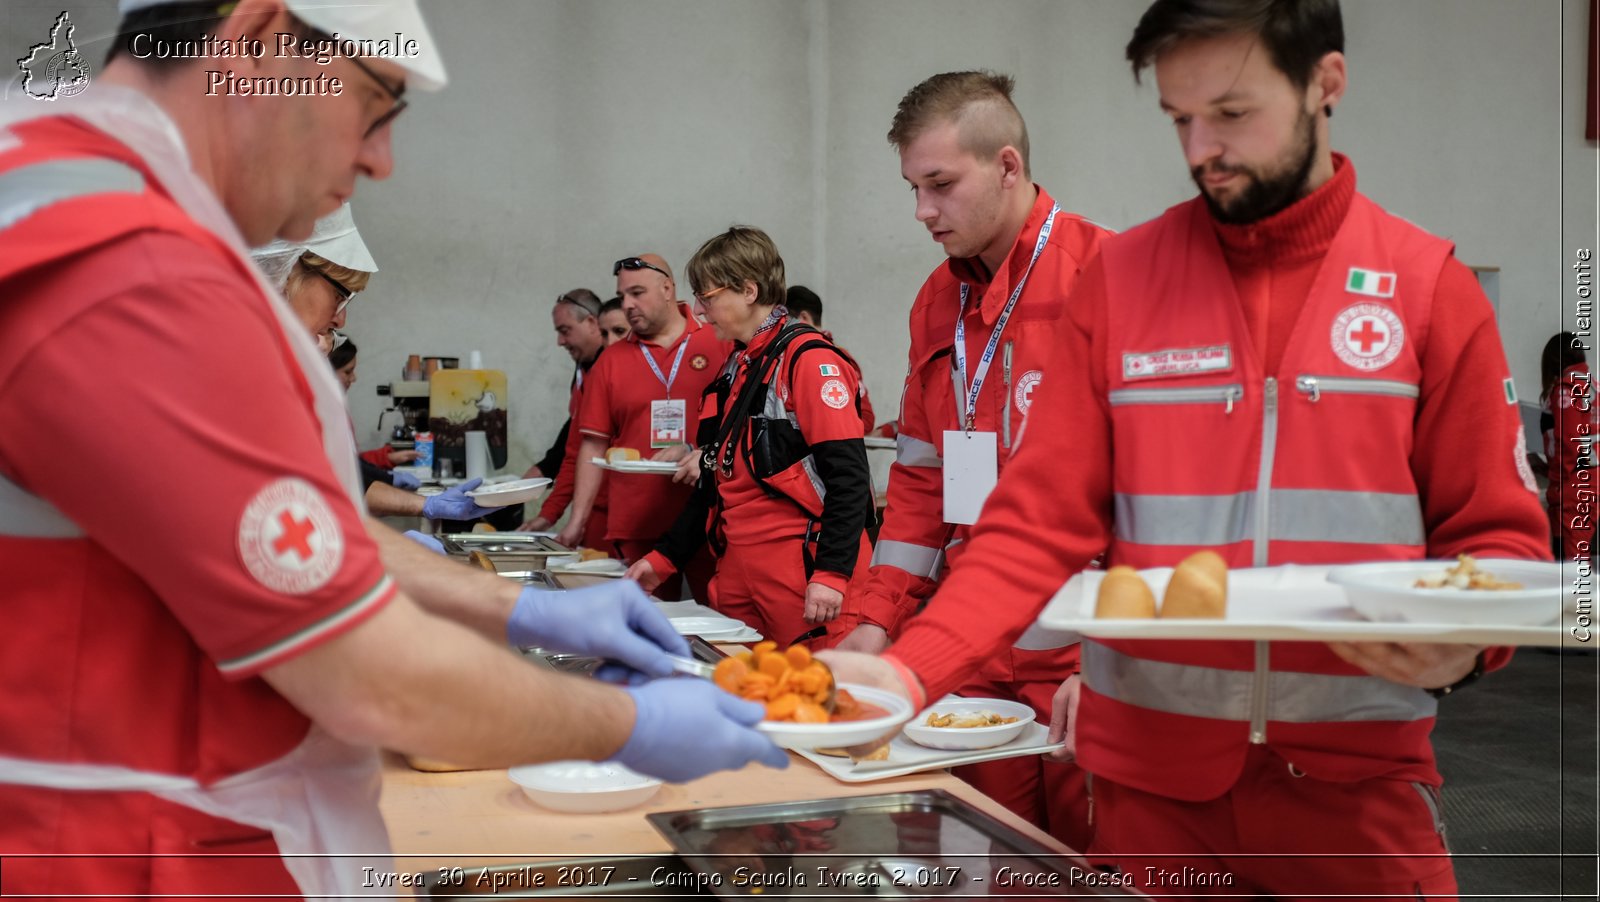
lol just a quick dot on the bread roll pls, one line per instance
(614, 455)
(881, 753)
(1124, 594)
(1199, 588)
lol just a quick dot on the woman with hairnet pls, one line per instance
(319, 277)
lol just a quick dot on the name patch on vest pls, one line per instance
(1178, 362)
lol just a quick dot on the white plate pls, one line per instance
(1387, 591)
(706, 627)
(906, 757)
(658, 467)
(504, 494)
(830, 735)
(583, 787)
(967, 739)
(1286, 603)
(597, 567)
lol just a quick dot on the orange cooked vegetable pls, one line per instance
(793, 686)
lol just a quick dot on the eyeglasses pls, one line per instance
(592, 305)
(705, 298)
(345, 294)
(634, 263)
(400, 103)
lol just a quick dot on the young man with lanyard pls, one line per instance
(644, 394)
(577, 321)
(981, 331)
(201, 656)
(1342, 395)
(784, 489)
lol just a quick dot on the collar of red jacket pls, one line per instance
(1302, 231)
(971, 271)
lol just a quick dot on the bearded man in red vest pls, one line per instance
(1341, 394)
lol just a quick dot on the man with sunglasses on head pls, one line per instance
(577, 320)
(206, 625)
(645, 395)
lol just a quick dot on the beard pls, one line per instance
(1270, 191)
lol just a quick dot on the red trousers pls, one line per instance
(698, 574)
(764, 585)
(1051, 796)
(1278, 833)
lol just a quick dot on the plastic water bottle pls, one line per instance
(424, 446)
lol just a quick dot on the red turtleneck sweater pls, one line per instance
(1023, 548)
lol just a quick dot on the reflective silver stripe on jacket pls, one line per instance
(108, 777)
(29, 189)
(914, 452)
(1295, 515)
(31, 517)
(1221, 694)
(917, 560)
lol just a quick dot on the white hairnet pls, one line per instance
(371, 20)
(334, 239)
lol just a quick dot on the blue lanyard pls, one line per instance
(676, 361)
(969, 412)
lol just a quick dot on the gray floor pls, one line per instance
(1518, 753)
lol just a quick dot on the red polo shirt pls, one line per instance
(616, 407)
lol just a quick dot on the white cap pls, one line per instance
(334, 239)
(372, 20)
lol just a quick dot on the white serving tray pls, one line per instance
(906, 757)
(1283, 603)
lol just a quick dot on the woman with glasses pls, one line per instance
(784, 492)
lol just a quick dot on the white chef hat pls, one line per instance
(373, 20)
(334, 239)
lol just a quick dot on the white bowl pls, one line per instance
(791, 735)
(1386, 592)
(965, 738)
(505, 494)
(583, 787)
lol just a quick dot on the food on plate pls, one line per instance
(794, 687)
(969, 721)
(1466, 575)
(617, 455)
(881, 753)
(1198, 588)
(1124, 594)
(592, 554)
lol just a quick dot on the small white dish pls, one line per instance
(957, 739)
(706, 627)
(598, 567)
(504, 494)
(1387, 592)
(838, 735)
(583, 787)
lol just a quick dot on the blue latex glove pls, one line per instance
(426, 541)
(687, 728)
(404, 480)
(453, 504)
(613, 620)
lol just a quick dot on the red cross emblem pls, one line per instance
(834, 394)
(296, 536)
(1368, 337)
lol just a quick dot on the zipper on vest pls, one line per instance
(1259, 686)
(1005, 435)
(1216, 394)
(1314, 386)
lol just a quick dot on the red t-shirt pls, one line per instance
(152, 399)
(616, 407)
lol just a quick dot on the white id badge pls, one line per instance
(971, 468)
(668, 422)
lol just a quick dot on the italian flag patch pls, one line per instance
(827, 369)
(1370, 282)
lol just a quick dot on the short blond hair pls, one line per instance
(739, 255)
(311, 264)
(980, 105)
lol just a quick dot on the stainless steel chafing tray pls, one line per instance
(699, 649)
(509, 551)
(926, 844)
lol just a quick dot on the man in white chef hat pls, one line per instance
(205, 642)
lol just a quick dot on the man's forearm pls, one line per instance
(384, 500)
(589, 477)
(472, 597)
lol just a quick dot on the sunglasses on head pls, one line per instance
(591, 305)
(634, 263)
